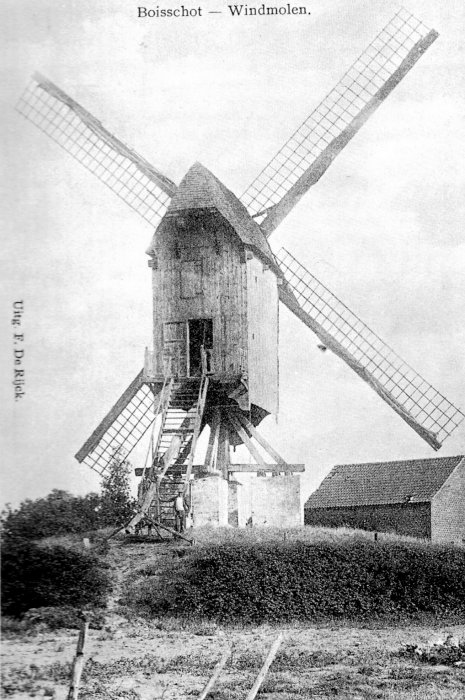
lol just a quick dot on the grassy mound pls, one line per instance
(283, 580)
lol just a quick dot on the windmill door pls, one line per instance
(200, 336)
(175, 349)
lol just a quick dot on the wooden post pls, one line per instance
(246, 439)
(222, 462)
(218, 668)
(78, 663)
(264, 669)
(212, 450)
(260, 439)
(169, 529)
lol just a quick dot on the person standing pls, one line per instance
(181, 507)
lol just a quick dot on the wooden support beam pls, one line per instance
(212, 449)
(245, 439)
(260, 439)
(222, 459)
(287, 468)
(177, 535)
(245, 467)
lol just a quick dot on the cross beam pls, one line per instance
(244, 467)
(286, 468)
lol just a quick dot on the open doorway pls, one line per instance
(200, 334)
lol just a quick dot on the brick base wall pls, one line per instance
(412, 519)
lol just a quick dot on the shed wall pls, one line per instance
(448, 509)
(412, 519)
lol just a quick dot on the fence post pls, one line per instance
(218, 668)
(264, 669)
(78, 663)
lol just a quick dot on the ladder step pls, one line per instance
(171, 431)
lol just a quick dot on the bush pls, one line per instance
(450, 652)
(35, 577)
(310, 581)
(59, 513)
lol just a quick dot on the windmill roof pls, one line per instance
(377, 483)
(200, 189)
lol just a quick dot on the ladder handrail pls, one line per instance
(156, 414)
(198, 422)
(166, 402)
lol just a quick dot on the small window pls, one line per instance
(191, 279)
(174, 331)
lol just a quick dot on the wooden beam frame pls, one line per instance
(232, 418)
(286, 468)
(245, 467)
(222, 457)
(260, 439)
(212, 449)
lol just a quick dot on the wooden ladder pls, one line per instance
(176, 444)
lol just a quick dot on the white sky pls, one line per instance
(383, 228)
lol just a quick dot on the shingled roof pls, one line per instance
(200, 189)
(376, 483)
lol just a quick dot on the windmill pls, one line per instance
(217, 284)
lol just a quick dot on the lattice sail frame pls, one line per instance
(424, 408)
(341, 113)
(122, 428)
(130, 176)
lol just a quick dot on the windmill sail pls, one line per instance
(311, 149)
(133, 179)
(123, 426)
(427, 411)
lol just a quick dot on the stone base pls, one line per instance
(272, 501)
(210, 501)
(275, 501)
(238, 503)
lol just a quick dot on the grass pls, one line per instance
(206, 537)
(75, 541)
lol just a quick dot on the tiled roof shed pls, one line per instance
(377, 483)
(417, 497)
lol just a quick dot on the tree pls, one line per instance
(116, 504)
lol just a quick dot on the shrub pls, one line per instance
(445, 654)
(59, 513)
(35, 577)
(298, 580)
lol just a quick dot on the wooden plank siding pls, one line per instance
(208, 248)
(262, 313)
